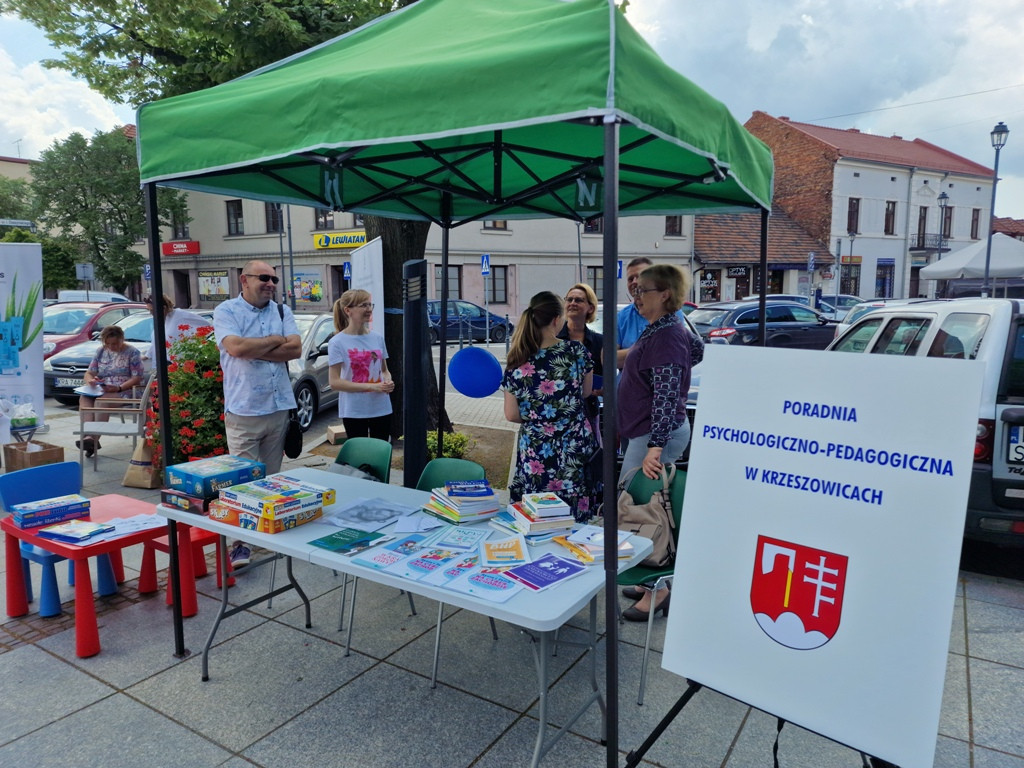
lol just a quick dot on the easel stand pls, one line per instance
(634, 757)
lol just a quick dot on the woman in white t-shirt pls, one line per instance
(358, 361)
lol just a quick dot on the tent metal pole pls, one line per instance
(762, 335)
(611, 255)
(442, 331)
(163, 396)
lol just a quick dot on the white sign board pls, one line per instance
(368, 274)
(21, 332)
(820, 539)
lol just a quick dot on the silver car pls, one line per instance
(309, 373)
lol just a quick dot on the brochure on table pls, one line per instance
(820, 539)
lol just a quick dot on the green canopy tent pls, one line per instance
(453, 111)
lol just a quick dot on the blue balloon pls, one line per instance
(475, 372)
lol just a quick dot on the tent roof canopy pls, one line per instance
(457, 110)
(1007, 260)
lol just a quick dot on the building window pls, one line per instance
(594, 226)
(595, 279)
(179, 228)
(850, 282)
(853, 215)
(497, 285)
(673, 226)
(235, 224)
(275, 217)
(922, 225)
(358, 221)
(947, 222)
(500, 224)
(885, 278)
(975, 223)
(454, 282)
(323, 218)
(890, 217)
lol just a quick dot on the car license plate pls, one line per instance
(69, 383)
(1015, 449)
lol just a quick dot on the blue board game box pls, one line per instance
(206, 477)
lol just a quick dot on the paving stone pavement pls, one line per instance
(283, 696)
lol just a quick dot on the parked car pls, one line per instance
(64, 371)
(106, 297)
(469, 319)
(990, 332)
(788, 324)
(309, 373)
(842, 302)
(857, 311)
(67, 324)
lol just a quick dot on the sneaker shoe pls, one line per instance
(240, 555)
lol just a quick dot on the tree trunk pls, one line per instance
(402, 241)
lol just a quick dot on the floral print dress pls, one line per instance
(555, 437)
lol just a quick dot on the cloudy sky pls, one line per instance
(945, 71)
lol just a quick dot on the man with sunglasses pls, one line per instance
(256, 337)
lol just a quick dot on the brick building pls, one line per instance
(888, 205)
(727, 250)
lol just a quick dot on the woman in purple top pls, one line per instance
(652, 393)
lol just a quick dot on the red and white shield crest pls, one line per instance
(796, 592)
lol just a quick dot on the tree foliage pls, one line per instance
(59, 257)
(15, 199)
(87, 192)
(137, 51)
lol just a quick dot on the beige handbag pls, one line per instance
(653, 520)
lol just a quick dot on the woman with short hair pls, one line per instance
(115, 369)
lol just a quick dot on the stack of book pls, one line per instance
(463, 501)
(32, 514)
(536, 530)
(545, 505)
(587, 544)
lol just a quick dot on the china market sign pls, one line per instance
(339, 240)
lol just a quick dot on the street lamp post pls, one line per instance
(852, 235)
(943, 205)
(999, 135)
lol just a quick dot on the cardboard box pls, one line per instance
(222, 512)
(17, 456)
(271, 497)
(327, 495)
(265, 524)
(206, 477)
(336, 434)
(183, 501)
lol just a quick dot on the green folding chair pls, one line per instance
(641, 488)
(440, 470)
(359, 451)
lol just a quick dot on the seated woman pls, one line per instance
(115, 369)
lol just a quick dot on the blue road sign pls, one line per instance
(810, 261)
(485, 264)
(346, 270)
(147, 271)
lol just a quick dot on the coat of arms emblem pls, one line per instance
(796, 592)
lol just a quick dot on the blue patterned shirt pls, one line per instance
(253, 387)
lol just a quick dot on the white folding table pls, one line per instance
(541, 614)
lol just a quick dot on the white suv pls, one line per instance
(990, 331)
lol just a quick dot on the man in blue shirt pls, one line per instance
(631, 322)
(257, 337)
